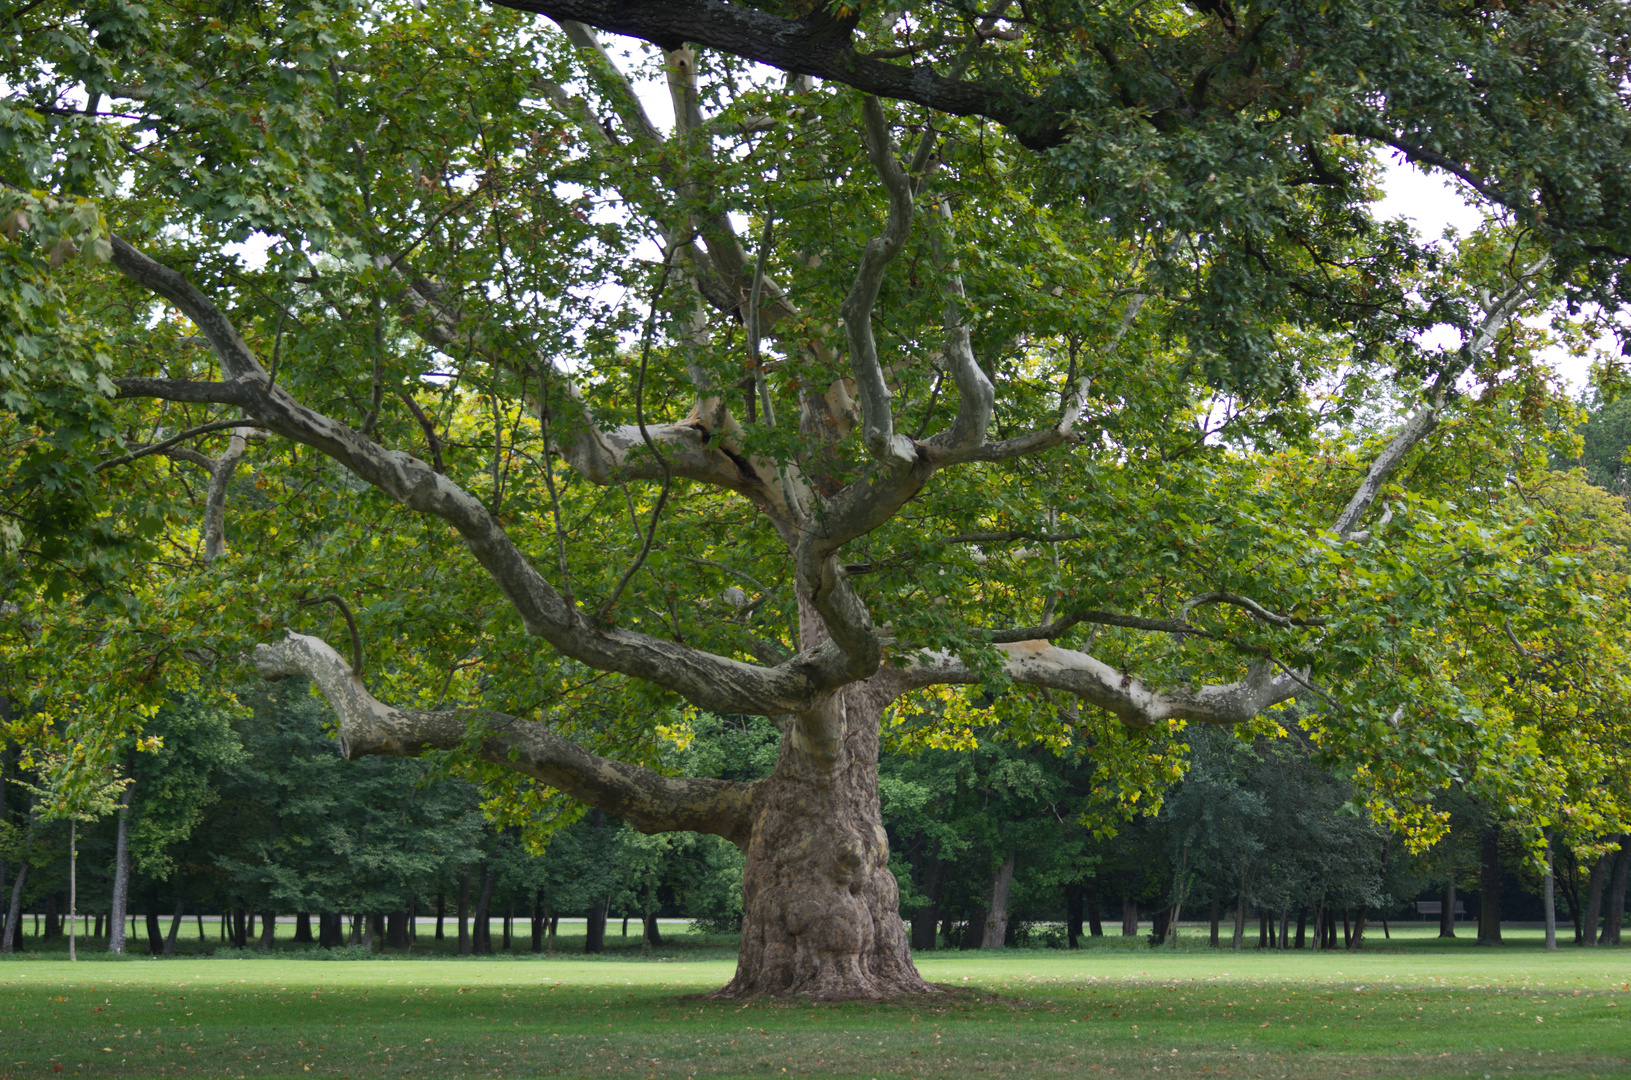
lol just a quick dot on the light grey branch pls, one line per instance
(1426, 420)
(1037, 663)
(713, 682)
(877, 419)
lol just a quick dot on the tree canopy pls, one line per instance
(1049, 352)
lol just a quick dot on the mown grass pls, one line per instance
(1412, 1007)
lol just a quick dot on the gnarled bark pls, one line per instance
(820, 906)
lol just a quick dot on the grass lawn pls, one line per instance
(1411, 1007)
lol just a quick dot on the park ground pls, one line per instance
(1408, 1007)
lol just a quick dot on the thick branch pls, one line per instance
(877, 419)
(1037, 663)
(712, 682)
(645, 799)
(816, 45)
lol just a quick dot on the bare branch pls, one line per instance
(351, 624)
(877, 420)
(160, 447)
(1425, 422)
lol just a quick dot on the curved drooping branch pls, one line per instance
(707, 680)
(1042, 664)
(647, 800)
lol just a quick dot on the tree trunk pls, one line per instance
(651, 934)
(1073, 915)
(484, 912)
(1129, 917)
(1614, 916)
(1489, 887)
(53, 924)
(594, 939)
(464, 913)
(268, 930)
(1302, 927)
(538, 918)
(1263, 940)
(1548, 896)
(155, 925)
(1095, 926)
(12, 941)
(1446, 918)
(926, 920)
(1359, 927)
(996, 915)
(1594, 898)
(820, 906)
(1240, 913)
(441, 913)
(175, 923)
(509, 917)
(302, 928)
(396, 930)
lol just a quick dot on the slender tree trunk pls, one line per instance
(1129, 917)
(651, 934)
(1446, 918)
(268, 931)
(1319, 925)
(1263, 940)
(73, 885)
(1302, 926)
(1073, 915)
(1616, 893)
(1216, 917)
(53, 921)
(554, 922)
(996, 915)
(1359, 927)
(926, 920)
(538, 917)
(1347, 933)
(155, 923)
(175, 923)
(509, 917)
(1594, 897)
(464, 913)
(1095, 926)
(13, 939)
(1240, 913)
(484, 913)
(594, 939)
(1489, 887)
(1548, 897)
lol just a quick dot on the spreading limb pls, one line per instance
(647, 800)
(1039, 663)
(712, 682)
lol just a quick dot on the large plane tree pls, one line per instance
(806, 361)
